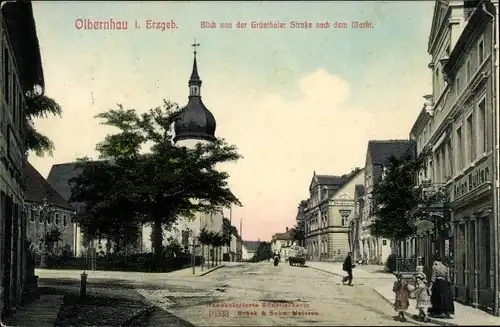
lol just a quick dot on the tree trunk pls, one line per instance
(157, 240)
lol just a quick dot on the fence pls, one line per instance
(408, 264)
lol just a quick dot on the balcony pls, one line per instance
(434, 207)
(433, 199)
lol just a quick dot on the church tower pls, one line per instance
(195, 125)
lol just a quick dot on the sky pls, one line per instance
(293, 101)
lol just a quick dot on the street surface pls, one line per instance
(250, 294)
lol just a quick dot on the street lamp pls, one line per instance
(45, 210)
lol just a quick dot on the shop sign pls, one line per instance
(477, 177)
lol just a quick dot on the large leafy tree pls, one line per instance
(156, 187)
(39, 106)
(395, 198)
(263, 252)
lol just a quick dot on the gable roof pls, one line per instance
(251, 246)
(37, 188)
(286, 236)
(59, 177)
(328, 180)
(440, 10)
(381, 151)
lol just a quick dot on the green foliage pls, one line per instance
(395, 197)
(263, 252)
(298, 232)
(128, 187)
(39, 106)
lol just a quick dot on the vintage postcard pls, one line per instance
(249, 163)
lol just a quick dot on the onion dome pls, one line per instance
(195, 121)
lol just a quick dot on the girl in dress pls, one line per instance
(422, 295)
(402, 290)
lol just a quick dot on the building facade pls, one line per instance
(457, 126)
(248, 249)
(355, 224)
(20, 72)
(328, 215)
(281, 243)
(58, 214)
(375, 250)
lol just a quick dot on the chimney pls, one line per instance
(287, 229)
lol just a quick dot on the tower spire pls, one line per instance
(195, 78)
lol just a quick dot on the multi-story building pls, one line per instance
(20, 72)
(373, 249)
(58, 213)
(328, 216)
(281, 243)
(355, 224)
(457, 126)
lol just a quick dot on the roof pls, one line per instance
(195, 120)
(330, 179)
(286, 236)
(20, 24)
(251, 246)
(381, 151)
(59, 177)
(37, 188)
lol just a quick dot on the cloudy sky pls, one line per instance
(293, 100)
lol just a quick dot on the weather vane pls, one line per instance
(195, 45)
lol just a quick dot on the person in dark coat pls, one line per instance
(441, 295)
(347, 267)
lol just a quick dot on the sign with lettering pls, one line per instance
(475, 178)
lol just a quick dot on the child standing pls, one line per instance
(402, 290)
(422, 294)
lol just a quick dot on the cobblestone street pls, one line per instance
(250, 294)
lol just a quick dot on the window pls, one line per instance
(65, 220)
(57, 219)
(480, 52)
(438, 167)
(40, 246)
(459, 147)
(49, 218)
(457, 86)
(40, 216)
(482, 127)
(384, 242)
(468, 72)
(471, 139)
(6, 74)
(32, 215)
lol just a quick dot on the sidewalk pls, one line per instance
(382, 283)
(186, 272)
(42, 312)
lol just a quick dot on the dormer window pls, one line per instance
(325, 192)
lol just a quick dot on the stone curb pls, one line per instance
(210, 270)
(415, 316)
(137, 314)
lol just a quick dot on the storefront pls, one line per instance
(472, 216)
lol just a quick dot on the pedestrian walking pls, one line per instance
(422, 295)
(347, 266)
(441, 296)
(402, 290)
